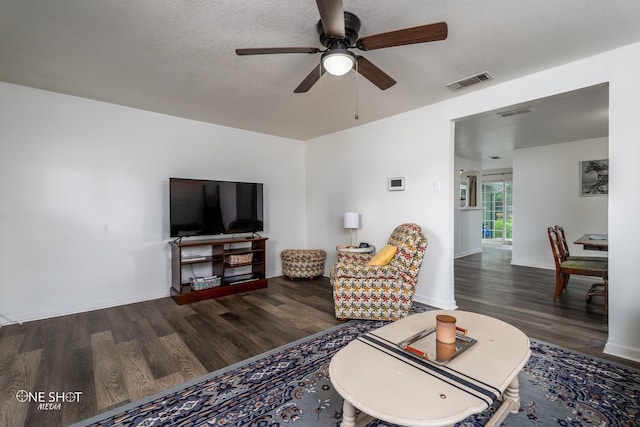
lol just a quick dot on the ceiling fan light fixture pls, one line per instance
(338, 61)
(338, 31)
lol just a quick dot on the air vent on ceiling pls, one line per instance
(469, 81)
(516, 112)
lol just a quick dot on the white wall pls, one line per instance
(348, 171)
(624, 227)
(84, 207)
(546, 192)
(468, 220)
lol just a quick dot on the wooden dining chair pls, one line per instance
(566, 267)
(565, 247)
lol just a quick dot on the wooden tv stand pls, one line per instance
(211, 258)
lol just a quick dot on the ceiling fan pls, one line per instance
(338, 32)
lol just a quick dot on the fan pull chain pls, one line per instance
(357, 116)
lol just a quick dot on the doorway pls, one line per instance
(497, 209)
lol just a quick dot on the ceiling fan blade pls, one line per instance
(310, 80)
(332, 17)
(374, 74)
(270, 50)
(422, 34)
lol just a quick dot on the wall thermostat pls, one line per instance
(396, 184)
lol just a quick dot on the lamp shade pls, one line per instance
(351, 220)
(338, 61)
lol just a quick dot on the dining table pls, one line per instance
(593, 242)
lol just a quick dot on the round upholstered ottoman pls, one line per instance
(303, 263)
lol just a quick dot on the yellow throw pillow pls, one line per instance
(384, 256)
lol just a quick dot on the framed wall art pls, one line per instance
(594, 177)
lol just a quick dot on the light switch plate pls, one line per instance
(396, 184)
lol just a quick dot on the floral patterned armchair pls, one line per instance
(381, 292)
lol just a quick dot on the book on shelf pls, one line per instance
(194, 258)
(240, 279)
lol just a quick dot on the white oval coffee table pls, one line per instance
(375, 376)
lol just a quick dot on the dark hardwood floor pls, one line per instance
(523, 296)
(122, 354)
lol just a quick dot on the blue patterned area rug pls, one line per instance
(290, 386)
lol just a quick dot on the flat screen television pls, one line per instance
(203, 207)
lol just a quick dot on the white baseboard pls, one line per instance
(11, 318)
(524, 263)
(467, 253)
(622, 351)
(433, 302)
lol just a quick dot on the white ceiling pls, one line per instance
(573, 116)
(177, 57)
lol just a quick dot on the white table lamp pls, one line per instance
(351, 221)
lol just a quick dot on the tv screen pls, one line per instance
(203, 207)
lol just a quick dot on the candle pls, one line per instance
(444, 351)
(446, 329)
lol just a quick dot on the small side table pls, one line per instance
(354, 249)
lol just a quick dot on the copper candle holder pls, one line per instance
(445, 329)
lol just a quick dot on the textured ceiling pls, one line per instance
(177, 57)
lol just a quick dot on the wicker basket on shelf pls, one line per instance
(239, 259)
(200, 283)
